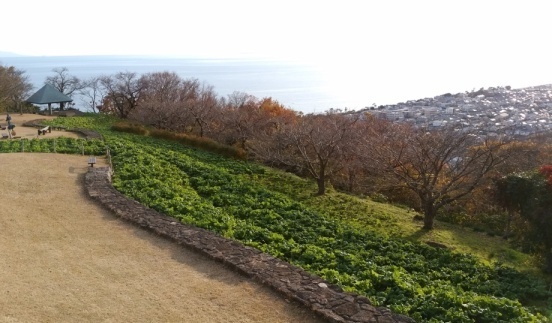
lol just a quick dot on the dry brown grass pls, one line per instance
(66, 259)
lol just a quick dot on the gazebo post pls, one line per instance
(50, 108)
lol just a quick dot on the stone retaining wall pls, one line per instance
(328, 301)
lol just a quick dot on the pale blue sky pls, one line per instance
(422, 48)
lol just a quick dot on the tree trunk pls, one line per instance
(200, 127)
(429, 215)
(321, 179)
(549, 262)
(351, 180)
(508, 223)
(321, 185)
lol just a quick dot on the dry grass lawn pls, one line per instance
(31, 132)
(66, 259)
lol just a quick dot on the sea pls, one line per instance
(298, 86)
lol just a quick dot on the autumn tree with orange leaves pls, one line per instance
(244, 118)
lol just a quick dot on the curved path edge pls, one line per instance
(327, 301)
(88, 134)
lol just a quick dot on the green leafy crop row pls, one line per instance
(54, 145)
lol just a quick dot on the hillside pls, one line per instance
(486, 112)
(399, 222)
(366, 247)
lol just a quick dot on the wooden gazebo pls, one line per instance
(48, 95)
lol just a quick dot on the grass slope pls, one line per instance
(397, 221)
(366, 247)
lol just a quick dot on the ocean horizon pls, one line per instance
(299, 86)
(308, 87)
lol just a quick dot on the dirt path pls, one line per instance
(31, 132)
(65, 259)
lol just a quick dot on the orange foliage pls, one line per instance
(272, 108)
(546, 171)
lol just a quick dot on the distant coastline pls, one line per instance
(9, 54)
(301, 87)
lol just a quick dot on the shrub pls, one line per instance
(200, 142)
(124, 126)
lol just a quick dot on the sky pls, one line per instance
(418, 48)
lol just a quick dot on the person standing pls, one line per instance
(10, 126)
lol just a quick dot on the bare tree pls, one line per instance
(237, 117)
(202, 110)
(93, 93)
(189, 93)
(160, 100)
(65, 83)
(439, 167)
(123, 92)
(169, 102)
(315, 145)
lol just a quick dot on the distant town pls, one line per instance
(485, 112)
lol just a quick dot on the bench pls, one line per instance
(43, 130)
(91, 161)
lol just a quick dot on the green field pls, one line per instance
(370, 248)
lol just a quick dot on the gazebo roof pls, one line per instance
(48, 94)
